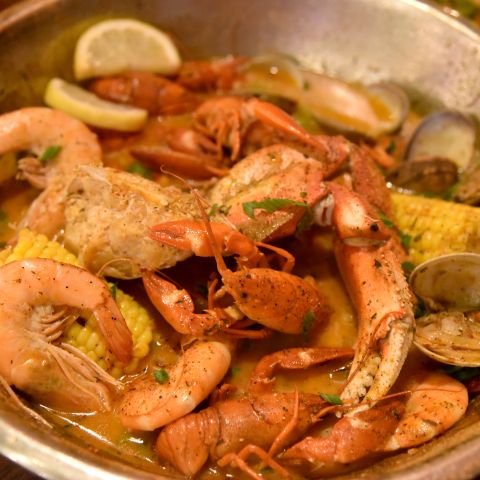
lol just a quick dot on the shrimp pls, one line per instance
(155, 399)
(57, 375)
(44, 132)
(434, 403)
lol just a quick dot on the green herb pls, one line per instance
(391, 147)
(420, 309)
(306, 120)
(462, 374)
(405, 239)
(303, 194)
(395, 414)
(216, 208)
(305, 222)
(451, 191)
(140, 169)
(307, 324)
(50, 153)
(234, 371)
(331, 398)
(408, 267)
(113, 290)
(386, 221)
(213, 210)
(428, 194)
(377, 264)
(273, 204)
(266, 470)
(161, 376)
(270, 205)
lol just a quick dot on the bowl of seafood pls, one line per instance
(239, 239)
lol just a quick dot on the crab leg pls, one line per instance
(381, 296)
(372, 273)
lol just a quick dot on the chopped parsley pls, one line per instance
(405, 239)
(140, 169)
(161, 376)
(50, 153)
(408, 267)
(462, 374)
(113, 290)
(266, 470)
(331, 398)
(420, 309)
(386, 221)
(234, 371)
(216, 208)
(391, 147)
(451, 191)
(273, 204)
(307, 324)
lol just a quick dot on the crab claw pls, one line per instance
(366, 256)
(381, 296)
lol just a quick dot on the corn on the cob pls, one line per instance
(436, 227)
(84, 333)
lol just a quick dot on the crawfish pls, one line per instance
(223, 122)
(157, 95)
(256, 418)
(207, 75)
(275, 299)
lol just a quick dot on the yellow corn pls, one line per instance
(437, 227)
(84, 333)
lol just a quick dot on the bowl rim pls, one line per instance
(16, 443)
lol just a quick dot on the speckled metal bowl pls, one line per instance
(436, 58)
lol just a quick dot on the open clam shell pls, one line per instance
(447, 134)
(449, 284)
(371, 111)
(450, 337)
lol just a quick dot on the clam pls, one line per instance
(450, 286)
(447, 134)
(450, 337)
(432, 174)
(370, 111)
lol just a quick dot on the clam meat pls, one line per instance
(450, 287)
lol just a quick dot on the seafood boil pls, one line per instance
(241, 282)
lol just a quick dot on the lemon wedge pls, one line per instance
(113, 46)
(92, 110)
